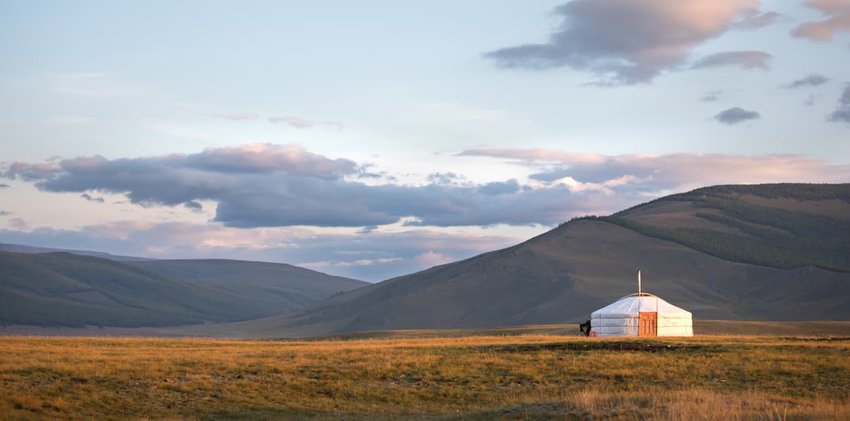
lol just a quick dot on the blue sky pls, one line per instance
(373, 139)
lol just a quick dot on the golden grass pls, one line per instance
(511, 377)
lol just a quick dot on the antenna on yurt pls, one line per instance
(638, 283)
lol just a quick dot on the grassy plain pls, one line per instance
(512, 377)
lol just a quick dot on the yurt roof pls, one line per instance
(631, 305)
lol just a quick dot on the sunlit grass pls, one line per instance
(478, 377)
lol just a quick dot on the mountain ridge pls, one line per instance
(68, 289)
(564, 274)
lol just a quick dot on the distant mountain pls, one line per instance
(762, 252)
(18, 248)
(267, 285)
(64, 289)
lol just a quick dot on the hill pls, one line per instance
(63, 289)
(777, 225)
(772, 252)
(267, 285)
(20, 248)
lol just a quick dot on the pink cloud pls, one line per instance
(663, 172)
(837, 19)
(263, 157)
(30, 172)
(631, 41)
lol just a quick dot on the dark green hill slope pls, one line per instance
(19, 248)
(62, 289)
(777, 225)
(72, 290)
(269, 285)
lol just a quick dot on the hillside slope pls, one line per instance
(63, 289)
(580, 266)
(777, 225)
(20, 248)
(271, 285)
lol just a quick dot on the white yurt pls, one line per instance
(641, 314)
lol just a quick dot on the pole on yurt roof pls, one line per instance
(638, 283)
(638, 297)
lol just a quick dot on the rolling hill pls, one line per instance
(64, 289)
(266, 285)
(764, 252)
(19, 248)
(779, 225)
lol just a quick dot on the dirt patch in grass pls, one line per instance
(818, 338)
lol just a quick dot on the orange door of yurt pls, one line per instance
(648, 324)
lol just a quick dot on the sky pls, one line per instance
(374, 139)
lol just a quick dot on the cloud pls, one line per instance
(91, 198)
(305, 189)
(262, 213)
(657, 174)
(291, 121)
(836, 19)
(842, 113)
(754, 20)
(446, 178)
(369, 256)
(18, 223)
(711, 96)
(284, 185)
(4, 213)
(300, 123)
(265, 158)
(743, 59)
(4, 186)
(629, 41)
(813, 79)
(736, 115)
(238, 116)
(31, 172)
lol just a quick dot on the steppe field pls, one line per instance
(526, 376)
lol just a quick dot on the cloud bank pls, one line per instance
(274, 200)
(265, 185)
(284, 185)
(631, 41)
(659, 174)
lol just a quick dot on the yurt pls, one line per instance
(641, 314)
